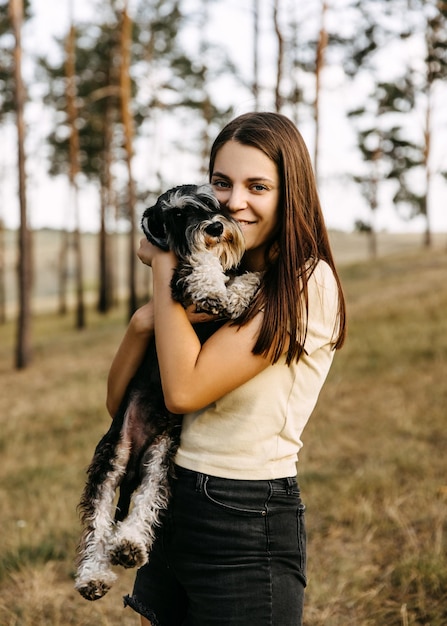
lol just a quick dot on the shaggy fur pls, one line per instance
(136, 454)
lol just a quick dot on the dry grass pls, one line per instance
(52, 416)
(372, 470)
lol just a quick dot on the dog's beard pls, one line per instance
(228, 247)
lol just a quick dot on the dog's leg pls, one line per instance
(94, 575)
(240, 292)
(135, 535)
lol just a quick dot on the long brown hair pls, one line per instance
(302, 238)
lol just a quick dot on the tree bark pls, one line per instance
(255, 84)
(106, 279)
(206, 108)
(73, 173)
(319, 64)
(63, 271)
(23, 346)
(2, 273)
(280, 58)
(125, 92)
(427, 153)
(374, 203)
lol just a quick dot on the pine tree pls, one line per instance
(23, 346)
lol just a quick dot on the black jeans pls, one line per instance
(230, 553)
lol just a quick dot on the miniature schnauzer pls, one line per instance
(136, 454)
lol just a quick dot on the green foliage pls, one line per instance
(97, 99)
(6, 57)
(361, 48)
(362, 227)
(436, 56)
(383, 124)
(163, 78)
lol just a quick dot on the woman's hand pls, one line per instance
(142, 321)
(147, 252)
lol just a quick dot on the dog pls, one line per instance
(136, 454)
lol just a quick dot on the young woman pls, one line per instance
(232, 549)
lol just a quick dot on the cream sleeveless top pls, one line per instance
(254, 432)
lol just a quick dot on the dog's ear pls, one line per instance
(206, 194)
(154, 228)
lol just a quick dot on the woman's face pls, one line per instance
(246, 183)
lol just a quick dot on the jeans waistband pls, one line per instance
(289, 482)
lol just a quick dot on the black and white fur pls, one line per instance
(136, 454)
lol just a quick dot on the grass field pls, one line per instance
(348, 248)
(372, 471)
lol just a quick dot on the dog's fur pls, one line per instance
(137, 452)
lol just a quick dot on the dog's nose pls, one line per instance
(215, 229)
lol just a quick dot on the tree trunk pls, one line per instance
(295, 97)
(106, 281)
(73, 173)
(77, 242)
(372, 234)
(23, 347)
(255, 84)
(103, 300)
(125, 92)
(206, 108)
(427, 153)
(319, 64)
(2, 273)
(63, 271)
(280, 58)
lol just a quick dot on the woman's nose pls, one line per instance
(237, 199)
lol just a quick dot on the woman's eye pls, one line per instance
(259, 187)
(220, 184)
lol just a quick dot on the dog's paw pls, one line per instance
(93, 589)
(241, 291)
(214, 305)
(128, 554)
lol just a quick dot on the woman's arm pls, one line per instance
(129, 355)
(193, 375)
(131, 352)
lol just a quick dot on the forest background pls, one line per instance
(124, 105)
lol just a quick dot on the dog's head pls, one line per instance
(189, 219)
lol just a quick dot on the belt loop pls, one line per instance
(199, 482)
(290, 485)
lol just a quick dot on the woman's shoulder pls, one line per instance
(321, 276)
(322, 307)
